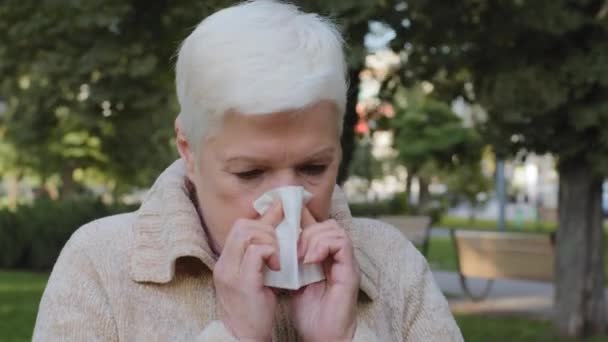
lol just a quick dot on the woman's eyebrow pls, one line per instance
(323, 153)
(326, 152)
(247, 159)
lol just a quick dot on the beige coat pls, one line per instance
(147, 276)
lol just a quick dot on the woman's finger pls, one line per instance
(256, 257)
(243, 234)
(315, 240)
(326, 245)
(274, 215)
(313, 230)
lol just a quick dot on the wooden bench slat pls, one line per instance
(505, 255)
(507, 246)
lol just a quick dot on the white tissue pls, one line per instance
(293, 275)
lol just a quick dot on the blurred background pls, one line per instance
(479, 128)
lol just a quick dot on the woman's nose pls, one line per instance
(287, 177)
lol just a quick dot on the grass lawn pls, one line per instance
(441, 254)
(532, 226)
(496, 329)
(20, 294)
(465, 223)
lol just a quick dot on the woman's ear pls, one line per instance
(184, 148)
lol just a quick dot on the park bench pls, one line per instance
(507, 255)
(417, 229)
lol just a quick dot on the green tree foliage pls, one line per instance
(428, 133)
(364, 164)
(89, 84)
(540, 70)
(467, 182)
(428, 130)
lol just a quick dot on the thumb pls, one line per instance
(274, 215)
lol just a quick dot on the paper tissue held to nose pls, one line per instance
(293, 274)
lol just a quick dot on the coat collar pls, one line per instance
(167, 227)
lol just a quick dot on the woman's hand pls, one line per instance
(326, 311)
(246, 306)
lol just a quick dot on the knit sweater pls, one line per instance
(147, 276)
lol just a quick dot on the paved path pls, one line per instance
(440, 232)
(507, 297)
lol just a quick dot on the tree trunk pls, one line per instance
(408, 188)
(424, 196)
(68, 185)
(579, 267)
(412, 172)
(350, 120)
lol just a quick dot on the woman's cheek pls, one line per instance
(236, 201)
(320, 203)
(245, 206)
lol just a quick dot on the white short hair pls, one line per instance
(258, 57)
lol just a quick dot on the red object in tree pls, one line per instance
(362, 127)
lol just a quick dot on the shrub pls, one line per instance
(398, 206)
(32, 236)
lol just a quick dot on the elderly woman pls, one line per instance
(262, 93)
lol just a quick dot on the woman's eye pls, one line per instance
(313, 170)
(249, 175)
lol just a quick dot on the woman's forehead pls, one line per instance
(284, 135)
(319, 121)
(299, 147)
(321, 111)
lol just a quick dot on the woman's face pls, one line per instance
(252, 154)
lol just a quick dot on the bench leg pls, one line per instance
(463, 279)
(425, 247)
(476, 298)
